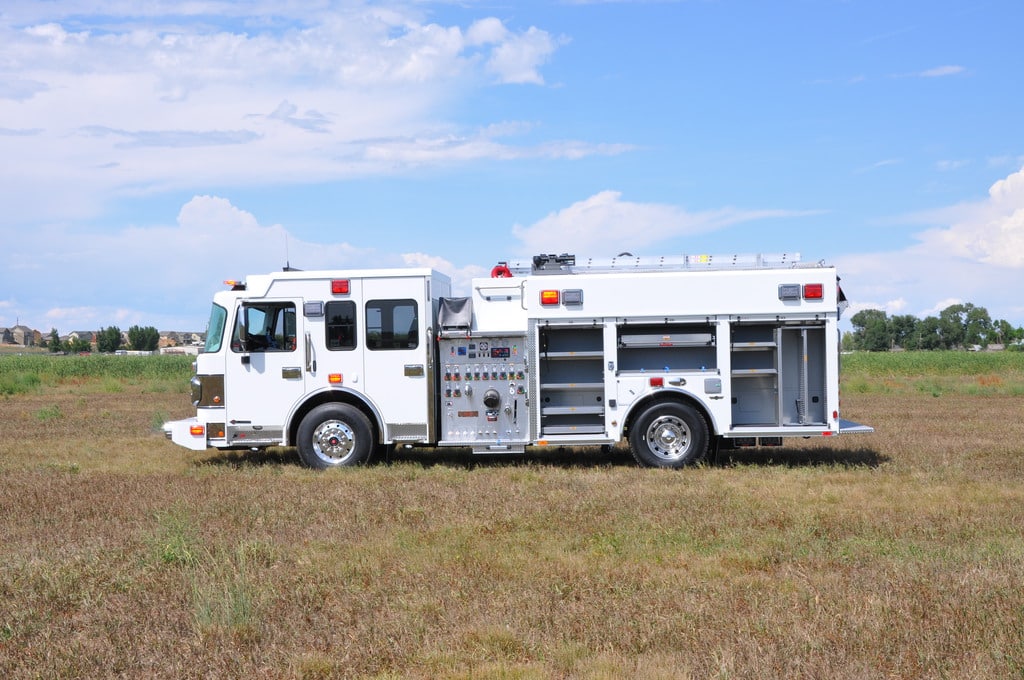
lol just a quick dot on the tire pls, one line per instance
(334, 435)
(669, 435)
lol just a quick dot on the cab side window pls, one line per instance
(392, 324)
(341, 325)
(268, 327)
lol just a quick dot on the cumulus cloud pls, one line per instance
(605, 223)
(971, 256)
(461, 277)
(517, 59)
(989, 231)
(178, 265)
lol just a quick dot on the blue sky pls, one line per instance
(152, 150)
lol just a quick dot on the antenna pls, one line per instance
(287, 264)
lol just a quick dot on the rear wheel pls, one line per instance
(669, 435)
(334, 435)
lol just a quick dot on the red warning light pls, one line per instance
(340, 286)
(814, 291)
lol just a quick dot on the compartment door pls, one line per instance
(803, 376)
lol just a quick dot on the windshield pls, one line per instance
(215, 329)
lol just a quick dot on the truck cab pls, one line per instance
(294, 350)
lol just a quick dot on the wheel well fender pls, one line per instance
(668, 397)
(333, 396)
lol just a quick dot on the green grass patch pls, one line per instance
(23, 373)
(48, 413)
(18, 383)
(947, 363)
(935, 373)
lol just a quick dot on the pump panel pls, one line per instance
(484, 392)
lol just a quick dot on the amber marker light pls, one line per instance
(334, 378)
(196, 430)
(549, 297)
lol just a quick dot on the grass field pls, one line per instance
(898, 554)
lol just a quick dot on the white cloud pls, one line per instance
(989, 231)
(517, 59)
(175, 268)
(976, 256)
(604, 223)
(880, 164)
(461, 276)
(941, 71)
(941, 305)
(890, 307)
(173, 96)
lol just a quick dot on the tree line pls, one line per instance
(958, 326)
(140, 338)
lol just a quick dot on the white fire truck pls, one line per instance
(676, 355)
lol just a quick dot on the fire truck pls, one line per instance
(677, 356)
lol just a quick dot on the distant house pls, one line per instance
(88, 336)
(181, 339)
(24, 336)
(169, 339)
(20, 335)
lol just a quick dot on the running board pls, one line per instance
(850, 427)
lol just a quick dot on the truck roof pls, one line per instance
(259, 284)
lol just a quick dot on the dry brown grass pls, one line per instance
(898, 554)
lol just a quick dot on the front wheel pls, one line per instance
(669, 435)
(334, 435)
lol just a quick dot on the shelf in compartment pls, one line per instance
(573, 429)
(646, 340)
(753, 346)
(573, 386)
(571, 410)
(749, 372)
(582, 354)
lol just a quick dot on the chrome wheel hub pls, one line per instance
(333, 440)
(668, 438)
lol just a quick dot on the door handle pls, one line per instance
(310, 354)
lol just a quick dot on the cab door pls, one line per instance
(264, 375)
(396, 333)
